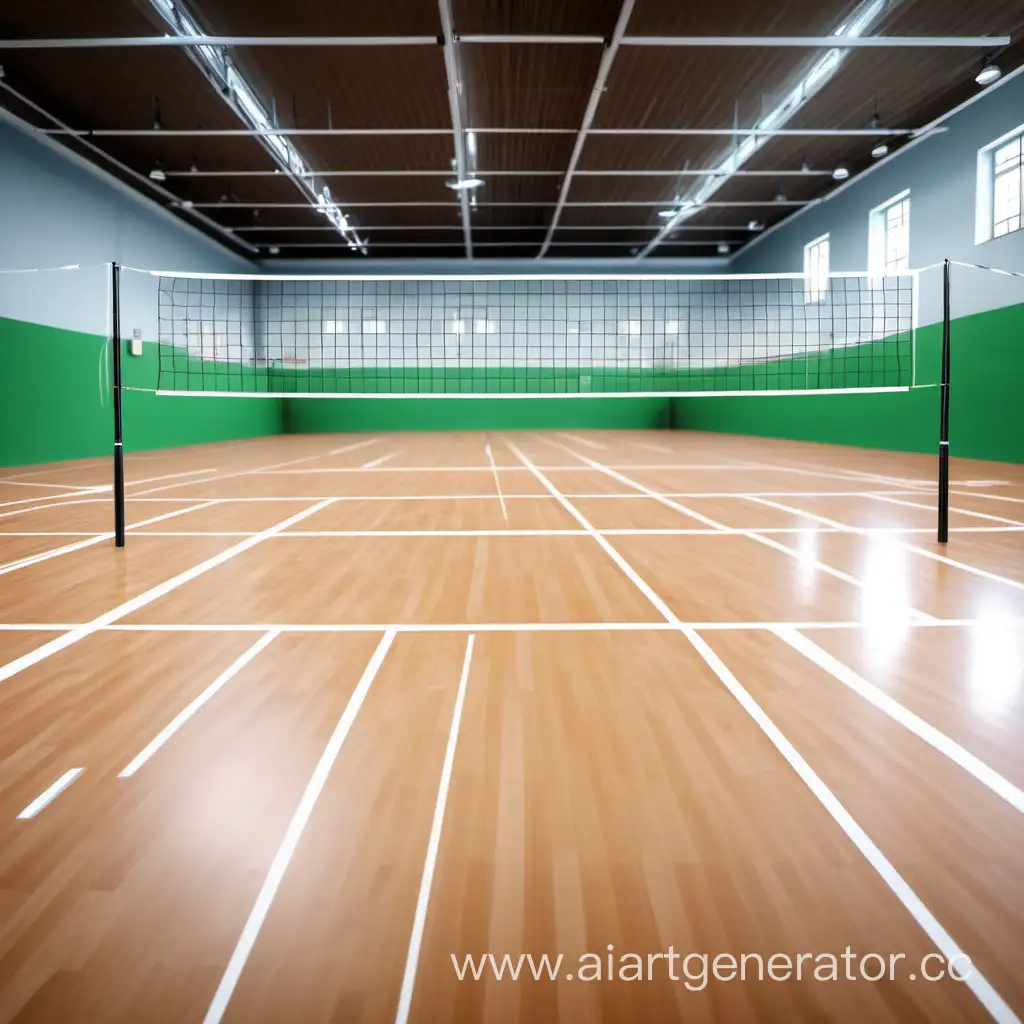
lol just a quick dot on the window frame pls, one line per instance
(988, 176)
(816, 283)
(879, 264)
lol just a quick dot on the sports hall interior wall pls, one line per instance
(988, 311)
(57, 210)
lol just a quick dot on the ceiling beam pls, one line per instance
(214, 133)
(711, 172)
(454, 78)
(453, 202)
(481, 245)
(537, 228)
(596, 92)
(811, 42)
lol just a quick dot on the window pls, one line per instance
(889, 237)
(1008, 187)
(1000, 205)
(816, 269)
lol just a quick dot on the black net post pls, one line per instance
(944, 409)
(115, 331)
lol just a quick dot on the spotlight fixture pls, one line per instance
(805, 167)
(755, 225)
(723, 249)
(187, 204)
(158, 174)
(781, 197)
(193, 168)
(881, 149)
(989, 73)
(274, 250)
(841, 173)
(667, 214)
(464, 184)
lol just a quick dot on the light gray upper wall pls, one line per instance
(55, 210)
(941, 173)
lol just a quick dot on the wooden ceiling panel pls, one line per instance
(540, 17)
(738, 17)
(314, 17)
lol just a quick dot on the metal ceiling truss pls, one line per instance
(711, 172)
(454, 80)
(787, 42)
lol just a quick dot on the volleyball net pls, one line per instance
(544, 335)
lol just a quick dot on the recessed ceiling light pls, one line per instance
(464, 184)
(158, 174)
(880, 150)
(988, 74)
(841, 173)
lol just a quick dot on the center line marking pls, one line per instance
(51, 792)
(373, 463)
(497, 482)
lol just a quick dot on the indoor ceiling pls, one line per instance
(579, 115)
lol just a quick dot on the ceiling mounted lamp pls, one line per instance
(781, 197)
(464, 184)
(274, 250)
(755, 225)
(989, 74)
(723, 248)
(841, 173)
(158, 174)
(881, 150)
(805, 167)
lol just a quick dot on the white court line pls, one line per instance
(259, 469)
(44, 556)
(51, 793)
(586, 442)
(50, 504)
(171, 476)
(56, 487)
(412, 958)
(194, 706)
(612, 553)
(341, 451)
(372, 464)
(975, 980)
(946, 746)
(497, 481)
(834, 524)
(477, 627)
(991, 497)
(924, 552)
(978, 984)
(843, 474)
(59, 643)
(293, 834)
(931, 508)
(752, 535)
(653, 448)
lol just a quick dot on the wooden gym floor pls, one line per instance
(347, 707)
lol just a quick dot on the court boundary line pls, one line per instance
(293, 834)
(497, 481)
(976, 981)
(133, 604)
(902, 715)
(979, 985)
(412, 958)
(197, 703)
(48, 795)
(824, 567)
(889, 500)
(94, 539)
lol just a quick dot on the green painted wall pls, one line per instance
(51, 407)
(986, 400)
(313, 416)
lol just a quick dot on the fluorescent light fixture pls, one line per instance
(215, 64)
(465, 184)
(158, 174)
(880, 150)
(821, 72)
(667, 213)
(988, 74)
(841, 173)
